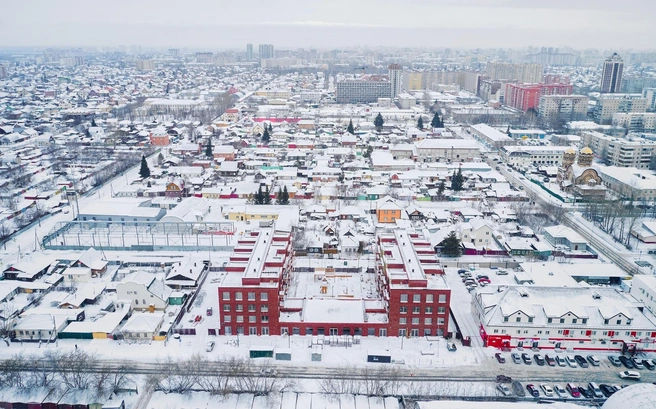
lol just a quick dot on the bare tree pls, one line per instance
(75, 369)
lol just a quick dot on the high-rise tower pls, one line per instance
(611, 77)
(396, 78)
(249, 52)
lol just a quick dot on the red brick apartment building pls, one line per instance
(403, 294)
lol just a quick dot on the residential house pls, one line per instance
(388, 210)
(92, 259)
(145, 291)
(143, 326)
(564, 236)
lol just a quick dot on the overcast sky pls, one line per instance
(335, 23)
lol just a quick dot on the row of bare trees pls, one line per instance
(76, 369)
(615, 217)
(217, 377)
(382, 381)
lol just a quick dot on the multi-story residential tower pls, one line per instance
(611, 77)
(396, 79)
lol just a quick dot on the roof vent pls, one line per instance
(596, 295)
(523, 293)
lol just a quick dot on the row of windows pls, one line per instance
(251, 318)
(239, 296)
(571, 333)
(427, 310)
(416, 298)
(251, 308)
(415, 321)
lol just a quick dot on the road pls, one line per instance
(569, 219)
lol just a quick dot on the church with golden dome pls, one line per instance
(578, 176)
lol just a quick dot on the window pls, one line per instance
(264, 308)
(428, 321)
(252, 330)
(239, 308)
(228, 330)
(136, 302)
(518, 319)
(264, 296)
(251, 308)
(441, 310)
(428, 310)
(308, 331)
(251, 296)
(264, 318)
(574, 320)
(429, 298)
(415, 321)
(226, 307)
(505, 319)
(619, 322)
(441, 298)
(530, 319)
(416, 298)
(427, 332)
(227, 318)
(562, 320)
(252, 319)
(606, 322)
(239, 296)
(416, 310)
(549, 320)
(440, 321)
(403, 321)
(240, 318)
(382, 332)
(404, 297)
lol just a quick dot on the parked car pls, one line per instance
(607, 390)
(648, 364)
(560, 391)
(583, 363)
(628, 363)
(500, 358)
(614, 360)
(451, 346)
(550, 360)
(462, 271)
(637, 363)
(539, 359)
(505, 390)
(517, 389)
(585, 392)
(502, 272)
(516, 358)
(594, 389)
(482, 276)
(210, 346)
(594, 361)
(503, 379)
(630, 375)
(560, 361)
(547, 390)
(484, 281)
(533, 390)
(526, 358)
(573, 390)
(571, 361)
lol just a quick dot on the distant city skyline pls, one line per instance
(420, 23)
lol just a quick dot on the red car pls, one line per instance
(532, 390)
(484, 280)
(573, 390)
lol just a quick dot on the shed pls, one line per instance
(379, 356)
(261, 352)
(283, 354)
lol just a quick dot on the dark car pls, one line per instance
(526, 358)
(585, 392)
(517, 389)
(462, 271)
(503, 379)
(648, 364)
(500, 358)
(533, 390)
(539, 359)
(627, 362)
(607, 390)
(550, 360)
(614, 360)
(583, 363)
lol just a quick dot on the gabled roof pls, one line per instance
(93, 259)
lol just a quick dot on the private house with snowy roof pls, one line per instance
(563, 318)
(388, 210)
(559, 236)
(145, 291)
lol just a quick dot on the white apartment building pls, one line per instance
(533, 155)
(636, 121)
(622, 152)
(569, 107)
(563, 318)
(639, 184)
(490, 136)
(610, 104)
(644, 289)
(447, 150)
